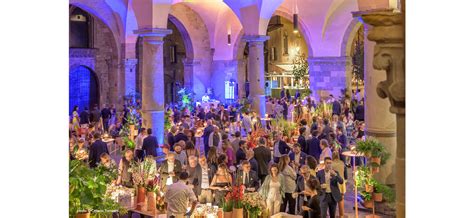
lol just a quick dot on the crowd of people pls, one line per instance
(209, 150)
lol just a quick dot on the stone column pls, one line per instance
(389, 34)
(130, 75)
(189, 68)
(379, 122)
(153, 80)
(327, 74)
(256, 72)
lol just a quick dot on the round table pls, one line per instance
(354, 170)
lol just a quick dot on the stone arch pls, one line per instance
(188, 44)
(197, 37)
(77, 87)
(303, 29)
(346, 46)
(349, 36)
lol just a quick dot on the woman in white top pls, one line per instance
(290, 184)
(272, 190)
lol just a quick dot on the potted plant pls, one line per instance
(87, 191)
(368, 201)
(142, 172)
(237, 196)
(378, 195)
(228, 205)
(383, 191)
(151, 188)
(369, 185)
(375, 167)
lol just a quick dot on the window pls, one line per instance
(79, 29)
(273, 54)
(173, 54)
(285, 43)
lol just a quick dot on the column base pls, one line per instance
(258, 105)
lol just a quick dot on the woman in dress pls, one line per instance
(313, 210)
(221, 184)
(228, 151)
(75, 119)
(272, 190)
(289, 187)
(124, 175)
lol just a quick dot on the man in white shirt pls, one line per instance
(178, 197)
(139, 144)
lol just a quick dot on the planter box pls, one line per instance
(369, 204)
(369, 188)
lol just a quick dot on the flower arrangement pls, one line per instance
(186, 98)
(253, 202)
(152, 185)
(142, 172)
(237, 195)
(228, 205)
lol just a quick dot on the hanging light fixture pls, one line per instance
(228, 35)
(295, 18)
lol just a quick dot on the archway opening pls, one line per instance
(83, 88)
(285, 53)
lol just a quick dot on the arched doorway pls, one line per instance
(83, 88)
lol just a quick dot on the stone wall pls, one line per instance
(327, 75)
(107, 63)
(102, 59)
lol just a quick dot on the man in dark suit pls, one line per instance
(329, 180)
(280, 147)
(336, 106)
(302, 140)
(263, 155)
(150, 143)
(170, 168)
(359, 112)
(84, 116)
(247, 177)
(170, 137)
(297, 156)
(207, 131)
(97, 148)
(313, 145)
(301, 184)
(105, 114)
(95, 114)
(285, 108)
(223, 114)
(240, 154)
(202, 180)
(251, 158)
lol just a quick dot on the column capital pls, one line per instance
(388, 31)
(153, 35)
(255, 38)
(153, 32)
